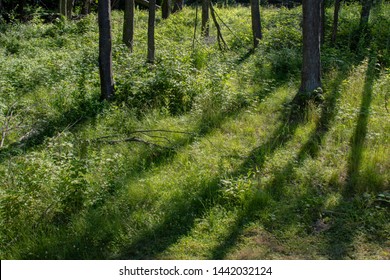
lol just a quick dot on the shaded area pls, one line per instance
(341, 236)
(275, 189)
(360, 133)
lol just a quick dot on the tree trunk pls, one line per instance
(66, 7)
(20, 9)
(365, 14)
(335, 20)
(205, 18)
(256, 22)
(178, 6)
(165, 8)
(69, 9)
(128, 24)
(311, 67)
(151, 21)
(86, 7)
(105, 50)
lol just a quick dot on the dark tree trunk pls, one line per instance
(20, 9)
(178, 6)
(365, 13)
(66, 7)
(205, 18)
(69, 9)
(86, 7)
(105, 50)
(256, 22)
(165, 8)
(322, 22)
(311, 67)
(128, 24)
(335, 20)
(151, 21)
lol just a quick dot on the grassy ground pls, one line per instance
(234, 171)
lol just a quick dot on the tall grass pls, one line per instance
(238, 175)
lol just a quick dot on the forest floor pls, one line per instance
(200, 156)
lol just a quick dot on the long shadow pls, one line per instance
(341, 235)
(184, 210)
(174, 224)
(280, 178)
(360, 133)
(49, 127)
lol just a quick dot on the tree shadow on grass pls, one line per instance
(181, 211)
(43, 129)
(275, 189)
(341, 236)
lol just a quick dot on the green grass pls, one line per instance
(245, 176)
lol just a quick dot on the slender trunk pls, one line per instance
(105, 50)
(66, 7)
(86, 7)
(69, 8)
(62, 9)
(311, 67)
(128, 25)
(20, 9)
(178, 6)
(166, 8)
(151, 21)
(335, 20)
(219, 33)
(256, 22)
(205, 18)
(365, 14)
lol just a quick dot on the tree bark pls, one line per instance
(365, 13)
(86, 7)
(335, 21)
(256, 22)
(151, 22)
(66, 7)
(311, 67)
(205, 18)
(178, 6)
(165, 8)
(105, 50)
(128, 24)
(69, 9)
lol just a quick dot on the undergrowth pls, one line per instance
(200, 156)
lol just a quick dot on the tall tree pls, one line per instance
(256, 22)
(335, 20)
(166, 8)
(105, 50)
(178, 5)
(20, 9)
(151, 22)
(128, 24)
(65, 7)
(311, 67)
(365, 13)
(205, 18)
(86, 7)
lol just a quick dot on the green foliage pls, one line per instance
(199, 156)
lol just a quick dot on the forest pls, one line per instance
(251, 129)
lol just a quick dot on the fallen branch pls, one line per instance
(106, 138)
(219, 33)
